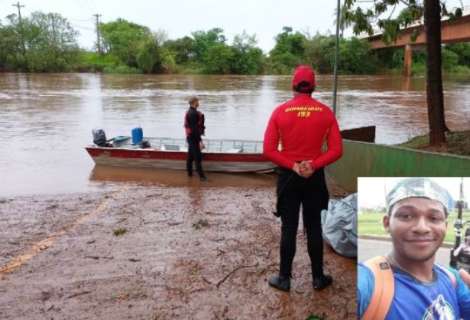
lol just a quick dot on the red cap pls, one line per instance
(303, 73)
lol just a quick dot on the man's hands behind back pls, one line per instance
(304, 169)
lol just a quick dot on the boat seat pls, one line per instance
(120, 139)
(235, 150)
(170, 147)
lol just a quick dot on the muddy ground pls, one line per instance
(146, 251)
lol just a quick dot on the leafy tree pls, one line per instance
(148, 55)
(463, 52)
(152, 56)
(218, 59)
(247, 58)
(289, 41)
(43, 42)
(182, 49)
(204, 40)
(449, 59)
(361, 19)
(13, 44)
(10, 47)
(51, 42)
(124, 39)
(167, 62)
(288, 51)
(320, 51)
(355, 57)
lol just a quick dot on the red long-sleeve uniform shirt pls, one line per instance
(301, 125)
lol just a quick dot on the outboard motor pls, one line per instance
(99, 138)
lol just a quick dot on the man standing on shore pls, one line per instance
(194, 127)
(301, 126)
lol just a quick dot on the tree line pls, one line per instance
(46, 42)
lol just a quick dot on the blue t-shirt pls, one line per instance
(438, 300)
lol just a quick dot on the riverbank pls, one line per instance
(155, 252)
(458, 142)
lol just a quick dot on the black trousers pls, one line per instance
(194, 154)
(312, 193)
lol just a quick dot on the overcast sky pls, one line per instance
(265, 18)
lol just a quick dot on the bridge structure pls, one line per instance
(414, 37)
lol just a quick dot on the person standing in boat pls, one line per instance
(301, 126)
(195, 128)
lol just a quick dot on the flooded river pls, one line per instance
(46, 120)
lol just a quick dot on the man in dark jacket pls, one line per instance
(194, 126)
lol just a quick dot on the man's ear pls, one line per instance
(386, 223)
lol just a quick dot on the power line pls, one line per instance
(82, 27)
(82, 20)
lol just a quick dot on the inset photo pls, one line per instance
(413, 248)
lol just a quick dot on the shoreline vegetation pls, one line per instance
(47, 42)
(458, 143)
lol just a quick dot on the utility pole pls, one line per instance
(19, 6)
(20, 24)
(335, 71)
(98, 38)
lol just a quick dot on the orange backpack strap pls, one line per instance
(384, 289)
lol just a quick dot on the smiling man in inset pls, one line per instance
(407, 284)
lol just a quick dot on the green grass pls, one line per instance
(459, 70)
(419, 69)
(416, 142)
(371, 224)
(458, 142)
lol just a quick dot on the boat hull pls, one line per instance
(176, 160)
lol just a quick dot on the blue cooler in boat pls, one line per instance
(137, 135)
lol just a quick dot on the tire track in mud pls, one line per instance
(42, 245)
